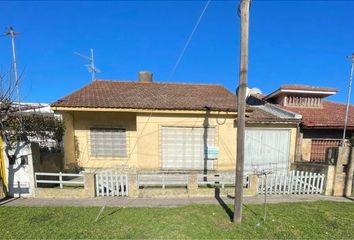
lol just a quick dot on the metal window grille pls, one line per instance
(184, 147)
(322, 148)
(108, 142)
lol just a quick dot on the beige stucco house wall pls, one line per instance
(143, 129)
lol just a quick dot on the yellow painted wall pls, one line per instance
(2, 168)
(77, 138)
(306, 149)
(144, 137)
(69, 140)
(149, 144)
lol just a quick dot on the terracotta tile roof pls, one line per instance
(266, 112)
(137, 95)
(261, 115)
(331, 116)
(307, 87)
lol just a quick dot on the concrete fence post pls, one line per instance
(253, 185)
(192, 183)
(350, 172)
(340, 173)
(89, 184)
(329, 180)
(133, 185)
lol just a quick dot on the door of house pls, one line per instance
(267, 149)
(183, 148)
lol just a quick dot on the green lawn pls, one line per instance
(297, 220)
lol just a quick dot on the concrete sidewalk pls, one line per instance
(160, 202)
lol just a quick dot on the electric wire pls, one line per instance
(188, 41)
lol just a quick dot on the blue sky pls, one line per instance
(290, 42)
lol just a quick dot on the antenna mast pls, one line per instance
(91, 66)
(12, 34)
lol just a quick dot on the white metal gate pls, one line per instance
(292, 183)
(267, 149)
(111, 183)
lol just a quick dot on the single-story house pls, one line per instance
(157, 126)
(322, 122)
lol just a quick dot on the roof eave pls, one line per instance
(280, 90)
(332, 127)
(105, 109)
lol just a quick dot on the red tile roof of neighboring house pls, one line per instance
(139, 95)
(331, 116)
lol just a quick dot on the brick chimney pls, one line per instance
(145, 76)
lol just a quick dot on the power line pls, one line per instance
(348, 97)
(188, 41)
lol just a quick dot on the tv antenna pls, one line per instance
(91, 66)
(11, 32)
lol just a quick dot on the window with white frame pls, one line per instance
(108, 142)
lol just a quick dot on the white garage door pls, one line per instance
(183, 147)
(267, 149)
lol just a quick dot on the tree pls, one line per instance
(16, 125)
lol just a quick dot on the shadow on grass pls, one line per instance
(228, 211)
(109, 214)
(249, 209)
(350, 198)
(6, 200)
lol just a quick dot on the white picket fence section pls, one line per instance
(292, 183)
(111, 183)
(162, 180)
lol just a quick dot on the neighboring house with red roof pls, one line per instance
(322, 122)
(144, 125)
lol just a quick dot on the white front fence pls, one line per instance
(294, 182)
(181, 180)
(60, 179)
(111, 183)
(162, 180)
(220, 179)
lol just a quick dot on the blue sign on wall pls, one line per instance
(212, 152)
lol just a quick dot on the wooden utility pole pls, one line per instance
(241, 109)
